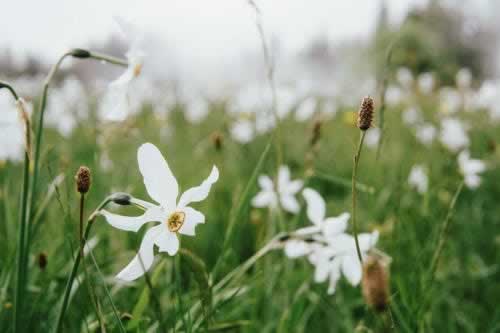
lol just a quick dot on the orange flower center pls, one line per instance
(175, 221)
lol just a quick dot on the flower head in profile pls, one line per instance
(327, 245)
(115, 101)
(418, 179)
(322, 227)
(470, 168)
(174, 215)
(283, 194)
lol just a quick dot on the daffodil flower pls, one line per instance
(339, 258)
(114, 106)
(283, 195)
(470, 169)
(174, 215)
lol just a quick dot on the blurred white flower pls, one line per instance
(404, 77)
(174, 216)
(115, 103)
(196, 110)
(372, 137)
(306, 109)
(412, 116)
(450, 100)
(283, 195)
(418, 179)
(339, 258)
(453, 134)
(463, 79)
(426, 83)
(243, 130)
(426, 133)
(11, 130)
(488, 96)
(393, 95)
(470, 169)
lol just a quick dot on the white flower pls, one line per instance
(393, 95)
(426, 133)
(340, 257)
(173, 216)
(450, 100)
(372, 137)
(418, 179)
(426, 83)
(412, 116)
(463, 78)
(284, 194)
(404, 77)
(115, 106)
(453, 134)
(322, 228)
(306, 109)
(243, 130)
(470, 168)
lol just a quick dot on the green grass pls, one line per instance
(276, 294)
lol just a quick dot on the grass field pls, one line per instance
(276, 293)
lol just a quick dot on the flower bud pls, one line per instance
(80, 53)
(365, 114)
(375, 283)
(217, 140)
(121, 198)
(83, 179)
(42, 260)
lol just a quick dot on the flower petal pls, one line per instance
(334, 275)
(264, 199)
(283, 177)
(266, 183)
(133, 223)
(191, 220)
(144, 259)
(296, 248)
(367, 240)
(335, 225)
(315, 205)
(290, 204)
(294, 186)
(199, 193)
(351, 268)
(158, 179)
(167, 242)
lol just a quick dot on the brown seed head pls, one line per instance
(375, 283)
(83, 179)
(365, 113)
(42, 260)
(217, 140)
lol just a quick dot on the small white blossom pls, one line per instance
(453, 134)
(418, 179)
(426, 83)
(404, 77)
(463, 79)
(306, 109)
(283, 195)
(174, 216)
(470, 169)
(412, 116)
(426, 133)
(372, 137)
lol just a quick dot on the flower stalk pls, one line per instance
(365, 118)
(21, 258)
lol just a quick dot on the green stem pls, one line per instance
(21, 261)
(74, 270)
(444, 232)
(354, 190)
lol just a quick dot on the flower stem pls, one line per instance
(74, 270)
(21, 259)
(354, 190)
(444, 232)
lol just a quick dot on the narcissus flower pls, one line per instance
(283, 194)
(174, 215)
(470, 169)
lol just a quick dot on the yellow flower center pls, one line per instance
(175, 221)
(137, 70)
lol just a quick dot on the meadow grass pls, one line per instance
(276, 294)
